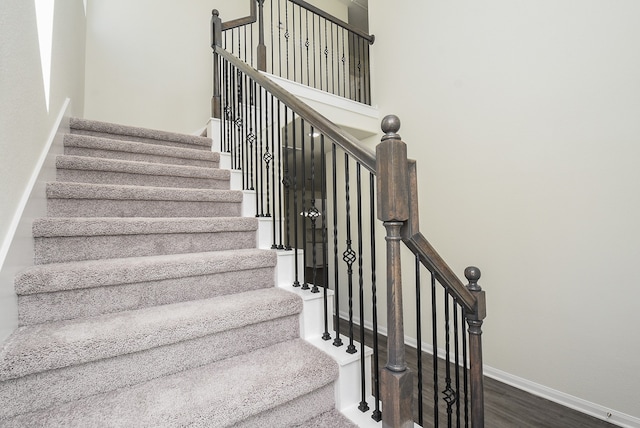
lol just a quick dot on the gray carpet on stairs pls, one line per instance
(149, 304)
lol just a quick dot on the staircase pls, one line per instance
(149, 304)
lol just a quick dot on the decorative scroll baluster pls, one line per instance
(336, 283)
(307, 44)
(349, 256)
(259, 153)
(465, 377)
(449, 395)
(419, 341)
(363, 406)
(377, 414)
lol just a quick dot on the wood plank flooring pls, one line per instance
(505, 406)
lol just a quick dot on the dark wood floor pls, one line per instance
(505, 406)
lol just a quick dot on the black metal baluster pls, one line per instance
(367, 74)
(465, 382)
(259, 152)
(287, 35)
(313, 21)
(449, 394)
(434, 338)
(456, 356)
(326, 57)
(325, 251)
(313, 215)
(251, 45)
(296, 282)
(286, 181)
(363, 406)
(253, 147)
(306, 44)
(279, 42)
(243, 123)
(245, 43)
(349, 256)
(344, 65)
(304, 212)
(377, 414)
(333, 62)
(295, 42)
(300, 45)
(269, 158)
(336, 283)
(419, 340)
(280, 166)
(273, 49)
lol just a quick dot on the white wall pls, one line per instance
(25, 121)
(523, 117)
(149, 61)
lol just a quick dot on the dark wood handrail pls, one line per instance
(239, 22)
(345, 140)
(311, 8)
(253, 17)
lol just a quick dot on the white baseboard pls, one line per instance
(16, 251)
(592, 409)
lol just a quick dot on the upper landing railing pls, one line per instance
(326, 195)
(298, 41)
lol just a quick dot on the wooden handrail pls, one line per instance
(311, 8)
(345, 140)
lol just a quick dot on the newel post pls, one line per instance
(216, 41)
(475, 321)
(261, 53)
(393, 211)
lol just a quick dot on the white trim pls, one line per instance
(578, 404)
(13, 227)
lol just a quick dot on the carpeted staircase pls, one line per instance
(149, 304)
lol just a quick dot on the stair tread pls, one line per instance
(72, 190)
(86, 163)
(333, 419)
(103, 143)
(42, 347)
(220, 394)
(132, 131)
(99, 273)
(103, 226)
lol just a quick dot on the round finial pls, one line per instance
(472, 274)
(215, 12)
(390, 124)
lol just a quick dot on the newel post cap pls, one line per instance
(390, 127)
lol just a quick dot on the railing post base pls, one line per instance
(397, 395)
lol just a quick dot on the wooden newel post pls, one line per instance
(393, 210)
(261, 53)
(216, 41)
(475, 321)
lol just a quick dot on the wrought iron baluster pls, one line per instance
(281, 215)
(449, 395)
(326, 57)
(259, 153)
(326, 335)
(419, 340)
(377, 414)
(349, 256)
(269, 157)
(286, 181)
(456, 357)
(313, 21)
(333, 65)
(296, 281)
(434, 338)
(313, 215)
(305, 284)
(287, 35)
(300, 44)
(336, 283)
(363, 406)
(295, 42)
(344, 65)
(306, 44)
(252, 137)
(465, 379)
